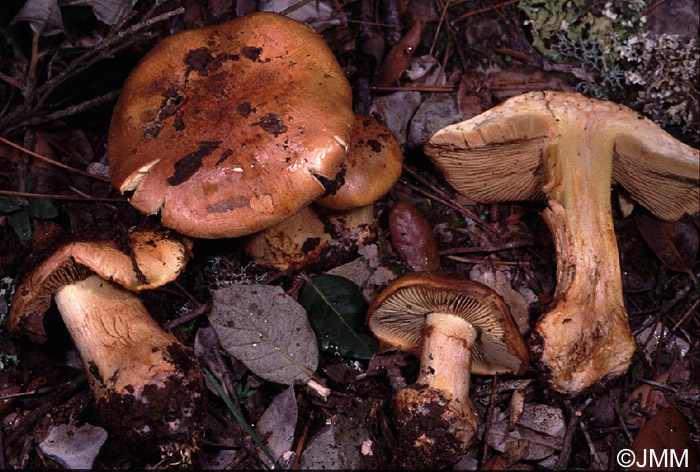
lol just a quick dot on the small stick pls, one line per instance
(647, 405)
(479, 261)
(591, 447)
(569, 435)
(51, 161)
(491, 248)
(196, 313)
(439, 25)
(300, 446)
(483, 10)
(295, 7)
(418, 88)
(652, 6)
(187, 294)
(687, 314)
(62, 197)
(489, 418)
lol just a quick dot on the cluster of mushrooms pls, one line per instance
(246, 129)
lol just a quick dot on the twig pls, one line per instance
(666, 308)
(416, 88)
(71, 110)
(686, 316)
(650, 394)
(591, 446)
(62, 197)
(489, 418)
(439, 25)
(652, 6)
(444, 200)
(491, 248)
(300, 446)
(295, 7)
(569, 435)
(187, 294)
(196, 313)
(490, 261)
(660, 385)
(483, 10)
(51, 161)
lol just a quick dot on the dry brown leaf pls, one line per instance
(399, 57)
(667, 434)
(675, 244)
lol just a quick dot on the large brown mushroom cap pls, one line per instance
(372, 166)
(397, 316)
(229, 129)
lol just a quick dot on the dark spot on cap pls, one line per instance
(332, 185)
(224, 155)
(228, 205)
(251, 52)
(272, 124)
(152, 131)
(189, 164)
(244, 109)
(374, 144)
(310, 244)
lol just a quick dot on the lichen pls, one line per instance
(663, 70)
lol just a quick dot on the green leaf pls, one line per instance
(22, 225)
(8, 205)
(337, 312)
(42, 209)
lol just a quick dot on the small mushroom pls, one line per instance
(569, 149)
(329, 230)
(372, 166)
(229, 129)
(145, 382)
(312, 238)
(457, 327)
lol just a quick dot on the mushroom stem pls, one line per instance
(119, 342)
(585, 335)
(446, 356)
(145, 382)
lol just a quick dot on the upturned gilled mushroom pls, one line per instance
(456, 327)
(229, 129)
(569, 149)
(145, 382)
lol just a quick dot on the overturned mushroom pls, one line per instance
(230, 129)
(457, 327)
(145, 382)
(569, 149)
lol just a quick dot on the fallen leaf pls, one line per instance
(667, 433)
(277, 424)
(412, 237)
(74, 447)
(517, 80)
(541, 426)
(675, 244)
(399, 57)
(267, 330)
(336, 446)
(337, 312)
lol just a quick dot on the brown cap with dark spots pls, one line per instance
(372, 166)
(229, 129)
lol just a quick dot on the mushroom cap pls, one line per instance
(499, 155)
(159, 257)
(372, 166)
(397, 317)
(313, 237)
(229, 129)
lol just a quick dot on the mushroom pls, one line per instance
(145, 382)
(313, 237)
(457, 327)
(372, 166)
(229, 129)
(569, 149)
(334, 226)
